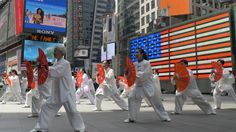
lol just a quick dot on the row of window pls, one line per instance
(153, 17)
(148, 7)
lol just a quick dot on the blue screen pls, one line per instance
(151, 44)
(49, 15)
(30, 51)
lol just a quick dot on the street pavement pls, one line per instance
(13, 118)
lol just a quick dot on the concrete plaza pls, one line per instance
(13, 118)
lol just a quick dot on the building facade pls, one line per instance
(102, 7)
(128, 26)
(151, 18)
(79, 29)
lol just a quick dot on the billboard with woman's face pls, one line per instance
(45, 17)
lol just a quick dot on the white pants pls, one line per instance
(114, 95)
(49, 110)
(28, 98)
(125, 93)
(196, 97)
(11, 93)
(81, 91)
(159, 92)
(217, 96)
(155, 101)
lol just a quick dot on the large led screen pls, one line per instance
(199, 42)
(45, 16)
(30, 50)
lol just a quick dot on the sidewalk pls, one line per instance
(13, 118)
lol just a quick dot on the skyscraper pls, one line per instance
(102, 7)
(79, 31)
(128, 26)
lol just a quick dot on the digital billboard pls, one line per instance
(30, 50)
(200, 42)
(45, 16)
(175, 7)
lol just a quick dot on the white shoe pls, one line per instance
(174, 113)
(33, 115)
(96, 109)
(58, 115)
(35, 130)
(217, 108)
(129, 121)
(3, 102)
(166, 120)
(26, 106)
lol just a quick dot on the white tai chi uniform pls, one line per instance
(224, 84)
(109, 88)
(32, 93)
(7, 94)
(124, 87)
(158, 85)
(84, 89)
(213, 84)
(24, 84)
(194, 93)
(42, 93)
(91, 86)
(14, 90)
(145, 87)
(62, 95)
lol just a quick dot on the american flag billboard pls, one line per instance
(200, 42)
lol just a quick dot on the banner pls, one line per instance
(19, 7)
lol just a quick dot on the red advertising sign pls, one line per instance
(19, 7)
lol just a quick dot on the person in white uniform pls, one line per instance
(62, 95)
(157, 83)
(32, 92)
(91, 86)
(144, 87)
(14, 88)
(108, 88)
(8, 92)
(193, 92)
(225, 84)
(24, 83)
(40, 95)
(124, 87)
(84, 88)
(212, 81)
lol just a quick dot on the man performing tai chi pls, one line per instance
(62, 95)
(108, 88)
(191, 91)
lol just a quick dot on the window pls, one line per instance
(153, 16)
(198, 11)
(147, 7)
(147, 19)
(110, 25)
(204, 11)
(142, 21)
(142, 10)
(153, 4)
(198, 1)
